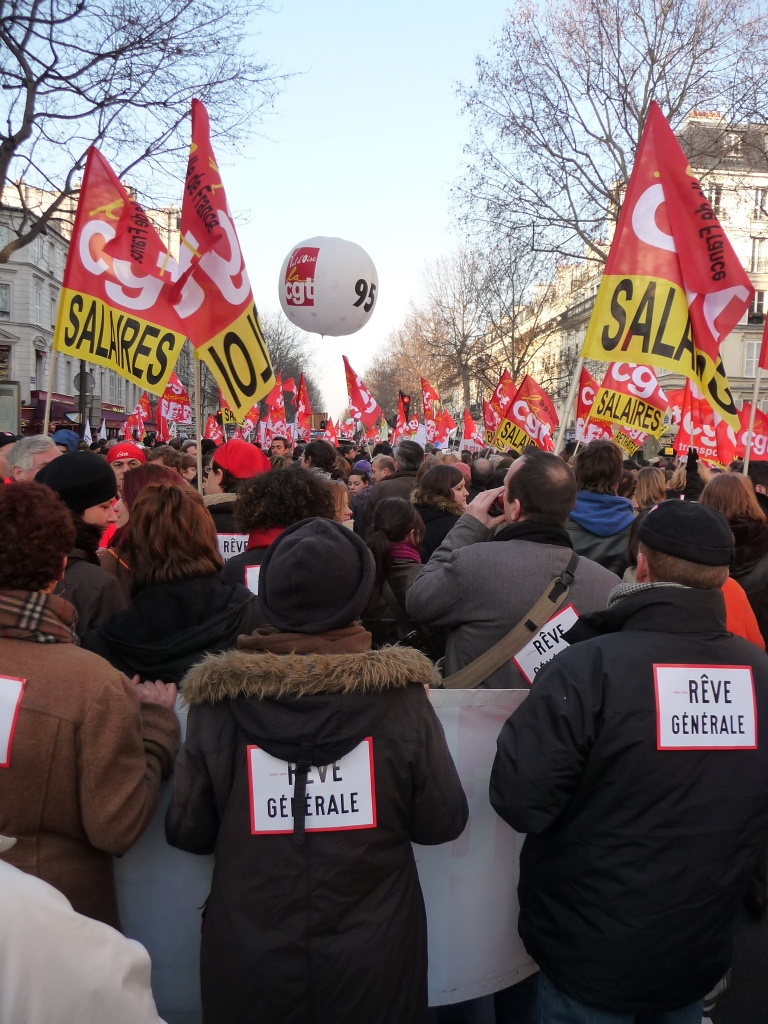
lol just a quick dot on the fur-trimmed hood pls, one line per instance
(432, 505)
(314, 707)
(262, 674)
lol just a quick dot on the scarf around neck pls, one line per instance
(349, 640)
(404, 551)
(37, 616)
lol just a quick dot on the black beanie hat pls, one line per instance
(315, 577)
(685, 529)
(81, 479)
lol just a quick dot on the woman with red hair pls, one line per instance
(116, 559)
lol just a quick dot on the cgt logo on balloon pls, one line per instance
(300, 276)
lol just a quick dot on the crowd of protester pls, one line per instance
(300, 603)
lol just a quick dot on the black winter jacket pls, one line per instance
(169, 627)
(636, 857)
(324, 927)
(379, 618)
(439, 520)
(750, 567)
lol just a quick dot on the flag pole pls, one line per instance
(752, 412)
(198, 424)
(569, 404)
(47, 415)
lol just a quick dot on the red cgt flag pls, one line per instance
(362, 404)
(303, 412)
(473, 440)
(213, 287)
(530, 418)
(503, 394)
(588, 429)
(701, 428)
(759, 447)
(673, 287)
(329, 434)
(491, 421)
(213, 431)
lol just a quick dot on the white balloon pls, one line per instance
(328, 286)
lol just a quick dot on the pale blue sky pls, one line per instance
(366, 145)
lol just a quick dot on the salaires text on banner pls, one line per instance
(339, 796)
(512, 438)
(705, 707)
(91, 329)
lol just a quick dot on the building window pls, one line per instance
(751, 356)
(5, 302)
(37, 249)
(715, 197)
(5, 362)
(68, 380)
(39, 369)
(112, 389)
(756, 313)
(759, 262)
(760, 211)
(54, 305)
(38, 305)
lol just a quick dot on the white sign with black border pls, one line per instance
(545, 644)
(339, 797)
(231, 544)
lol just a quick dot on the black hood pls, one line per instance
(314, 707)
(169, 626)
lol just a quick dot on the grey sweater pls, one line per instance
(480, 588)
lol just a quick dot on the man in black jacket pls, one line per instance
(638, 766)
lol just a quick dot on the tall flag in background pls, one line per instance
(330, 433)
(116, 305)
(430, 401)
(362, 405)
(491, 421)
(587, 428)
(213, 287)
(276, 424)
(444, 424)
(473, 440)
(213, 431)
(173, 406)
(250, 419)
(673, 287)
(303, 412)
(529, 419)
(401, 426)
(140, 415)
(701, 428)
(503, 393)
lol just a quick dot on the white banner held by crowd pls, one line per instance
(469, 885)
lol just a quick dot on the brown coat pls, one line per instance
(85, 769)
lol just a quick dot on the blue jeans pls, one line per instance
(555, 1007)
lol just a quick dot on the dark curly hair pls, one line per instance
(37, 534)
(282, 498)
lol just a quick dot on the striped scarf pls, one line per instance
(34, 615)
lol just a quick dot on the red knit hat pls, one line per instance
(126, 451)
(241, 459)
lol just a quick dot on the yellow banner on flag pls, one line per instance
(639, 319)
(239, 361)
(510, 437)
(629, 411)
(91, 329)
